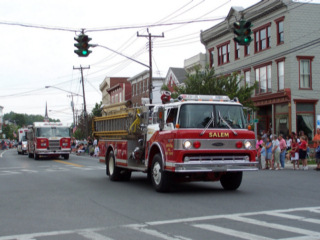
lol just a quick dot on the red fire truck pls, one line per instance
(48, 139)
(198, 138)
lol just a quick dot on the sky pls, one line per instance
(37, 46)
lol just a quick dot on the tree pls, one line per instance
(205, 82)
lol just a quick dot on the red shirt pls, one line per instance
(303, 145)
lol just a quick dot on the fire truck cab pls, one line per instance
(199, 138)
(48, 139)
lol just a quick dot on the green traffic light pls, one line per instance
(84, 52)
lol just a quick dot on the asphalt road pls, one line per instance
(74, 199)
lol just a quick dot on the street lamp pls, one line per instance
(72, 94)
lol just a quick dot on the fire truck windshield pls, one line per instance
(53, 132)
(199, 115)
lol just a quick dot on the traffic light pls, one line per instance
(242, 30)
(82, 45)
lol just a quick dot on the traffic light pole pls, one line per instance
(84, 99)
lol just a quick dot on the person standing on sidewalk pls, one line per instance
(303, 152)
(294, 153)
(283, 150)
(316, 141)
(276, 152)
(269, 153)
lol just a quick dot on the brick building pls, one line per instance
(140, 88)
(284, 58)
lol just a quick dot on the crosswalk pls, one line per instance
(285, 224)
(18, 170)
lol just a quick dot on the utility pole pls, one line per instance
(84, 99)
(149, 36)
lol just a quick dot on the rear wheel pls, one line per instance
(66, 156)
(231, 180)
(112, 170)
(160, 179)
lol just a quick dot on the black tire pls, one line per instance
(30, 155)
(160, 179)
(35, 156)
(66, 156)
(231, 180)
(112, 170)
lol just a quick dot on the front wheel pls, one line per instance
(35, 156)
(231, 180)
(160, 179)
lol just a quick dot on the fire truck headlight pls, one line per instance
(43, 144)
(24, 145)
(187, 144)
(247, 144)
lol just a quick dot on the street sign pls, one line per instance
(255, 120)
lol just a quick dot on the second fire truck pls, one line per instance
(49, 139)
(198, 138)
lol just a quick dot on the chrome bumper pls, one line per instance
(216, 166)
(57, 152)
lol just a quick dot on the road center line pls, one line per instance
(68, 163)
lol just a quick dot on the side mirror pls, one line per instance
(161, 118)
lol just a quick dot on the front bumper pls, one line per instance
(55, 152)
(216, 164)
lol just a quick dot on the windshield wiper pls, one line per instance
(220, 117)
(208, 124)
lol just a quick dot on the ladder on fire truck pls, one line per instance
(119, 122)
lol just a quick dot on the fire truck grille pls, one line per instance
(54, 144)
(217, 157)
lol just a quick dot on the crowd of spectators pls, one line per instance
(88, 146)
(273, 151)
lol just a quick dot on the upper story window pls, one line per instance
(280, 31)
(263, 77)
(246, 50)
(262, 37)
(247, 77)
(223, 53)
(211, 57)
(280, 73)
(236, 50)
(305, 72)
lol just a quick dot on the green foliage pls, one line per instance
(205, 82)
(25, 119)
(9, 131)
(96, 111)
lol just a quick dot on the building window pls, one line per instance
(211, 57)
(147, 85)
(305, 117)
(247, 78)
(133, 88)
(263, 77)
(223, 53)
(120, 97)
(280, 32)
(305, 72)
(262, 37)
(143, 87)
(280, 74)
(236, 50)
(246, 50)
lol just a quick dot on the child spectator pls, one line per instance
(294, 153)
(96, 151)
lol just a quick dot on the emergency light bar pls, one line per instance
(187, 97)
